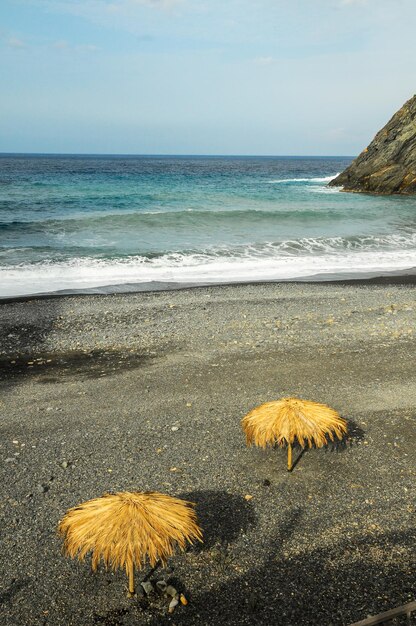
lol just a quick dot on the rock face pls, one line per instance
(388, 165)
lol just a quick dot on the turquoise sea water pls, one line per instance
(76, 222)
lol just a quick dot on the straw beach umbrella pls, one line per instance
(126, 529)
(282, 421)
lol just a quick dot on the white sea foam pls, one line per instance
(324, 179)
(269, 264)
(323, 189)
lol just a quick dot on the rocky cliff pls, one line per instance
(388, 165)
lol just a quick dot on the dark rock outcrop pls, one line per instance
(388, 165)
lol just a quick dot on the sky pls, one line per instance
(255, 77)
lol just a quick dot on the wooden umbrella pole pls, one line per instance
(131, 580)
(289, 457)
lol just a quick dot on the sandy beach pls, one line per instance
(146, 392)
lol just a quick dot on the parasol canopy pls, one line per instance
(126, 529)
(283, 421)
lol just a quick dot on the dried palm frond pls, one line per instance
(282, 421)
(126, 529)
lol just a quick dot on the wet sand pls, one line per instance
(146, 391)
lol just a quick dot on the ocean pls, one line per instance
(108, 223)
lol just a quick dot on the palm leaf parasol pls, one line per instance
(282, 421)
(126, 529)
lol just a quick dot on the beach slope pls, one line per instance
(147, 391)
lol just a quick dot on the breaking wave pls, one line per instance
(289, 259)
(324, 179)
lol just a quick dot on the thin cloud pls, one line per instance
(264, 60)
(128, 6)
(62, 44)
(86, 47)
(14, 42)
(111, 6)
(159, 4)
(353, 2)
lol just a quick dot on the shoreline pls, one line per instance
(398, 277)
(146, 391)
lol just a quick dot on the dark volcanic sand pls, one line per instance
(147, 391)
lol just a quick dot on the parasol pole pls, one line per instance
(289, 457)
(131, 580)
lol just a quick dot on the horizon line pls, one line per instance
(172, 154)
